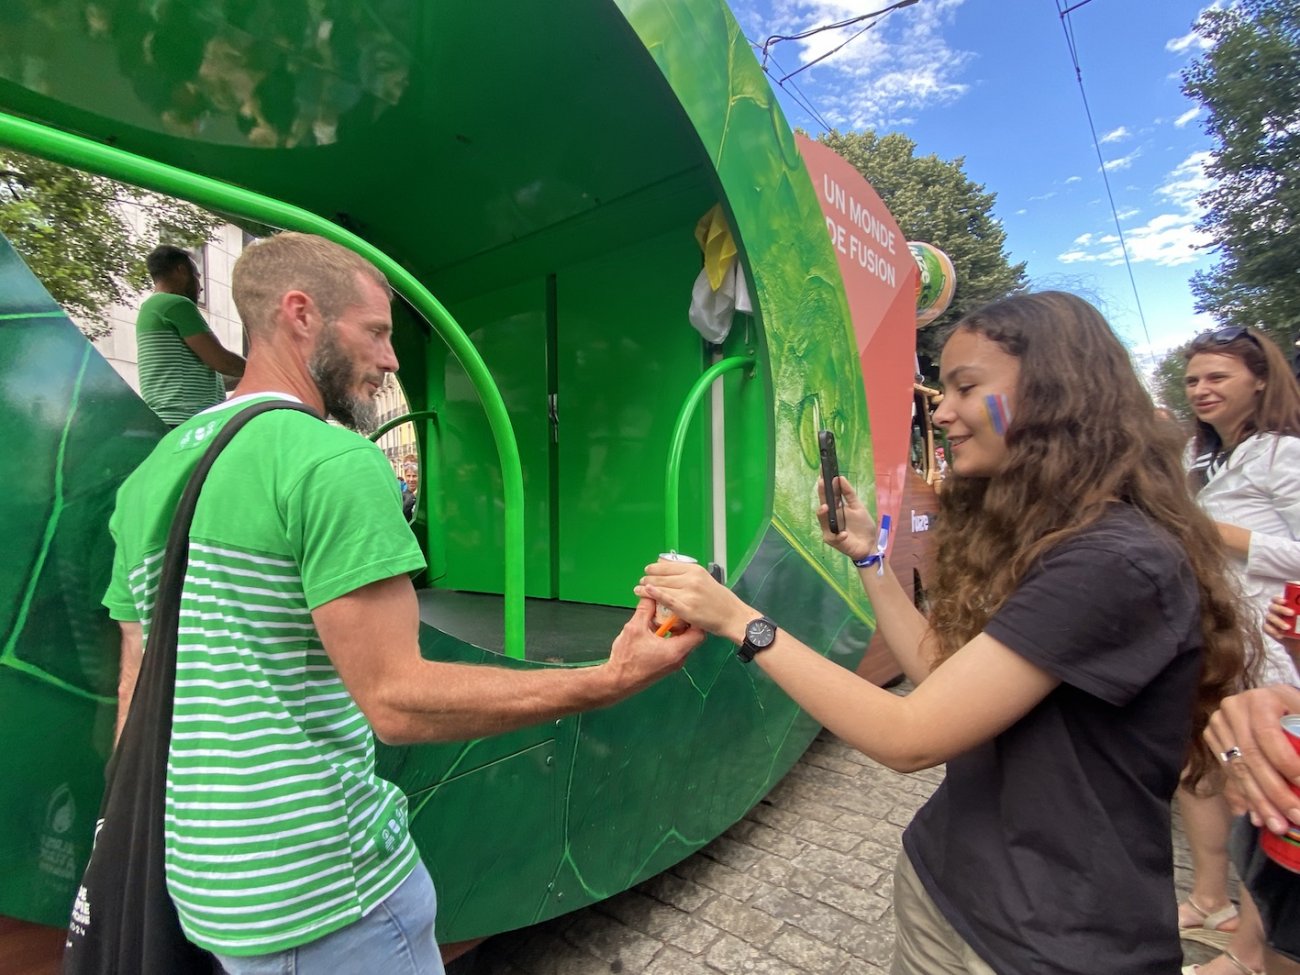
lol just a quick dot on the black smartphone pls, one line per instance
(830, 471)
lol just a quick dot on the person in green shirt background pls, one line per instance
(178, 356)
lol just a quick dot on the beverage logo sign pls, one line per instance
(57, 852)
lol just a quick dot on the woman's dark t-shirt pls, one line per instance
(1048, 848)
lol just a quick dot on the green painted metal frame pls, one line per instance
(404, 418)
(40, 140)
(673, 471)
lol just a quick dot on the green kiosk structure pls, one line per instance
(531, 177)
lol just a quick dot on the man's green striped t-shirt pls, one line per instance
(278, 830)
(174, 381)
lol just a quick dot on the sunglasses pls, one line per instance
(1224, 336)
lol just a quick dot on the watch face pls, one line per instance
(760, 633)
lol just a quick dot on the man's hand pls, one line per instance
(1258, 780)
(638, 658)
(858, 539)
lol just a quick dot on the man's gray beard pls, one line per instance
(334, 374)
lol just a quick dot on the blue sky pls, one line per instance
(993, 81)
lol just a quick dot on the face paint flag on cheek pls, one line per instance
(999, 411)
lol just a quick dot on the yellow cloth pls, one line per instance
(714, 237)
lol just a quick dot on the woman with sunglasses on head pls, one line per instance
(1245, 470)
(1082, 630)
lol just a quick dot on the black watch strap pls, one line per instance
(759, 635)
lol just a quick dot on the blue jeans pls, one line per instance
(396, 938)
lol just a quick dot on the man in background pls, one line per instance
(178, 356)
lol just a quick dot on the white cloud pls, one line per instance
(1021, 212)
(1073, 179)
(1128, 213)
(1116, 135)
(1169, 239)
(1042, 196)
(901, 65)
(1187, 116)
(1190, 40)
(1123, 162)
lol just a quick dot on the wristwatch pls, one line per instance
(759, 635)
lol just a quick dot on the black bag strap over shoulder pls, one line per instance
(123, 921)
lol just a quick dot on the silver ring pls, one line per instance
(1230, 754)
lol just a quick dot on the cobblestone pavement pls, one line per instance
(803, 884)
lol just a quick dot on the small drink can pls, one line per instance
(662, 613)
(1292, 596)
(1285, 849)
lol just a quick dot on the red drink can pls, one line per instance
(1285, 849)
(1292, 596)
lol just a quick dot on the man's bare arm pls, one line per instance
(215, 355)
(371, 635)
(132, 652)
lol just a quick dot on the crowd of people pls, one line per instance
(1096, 628)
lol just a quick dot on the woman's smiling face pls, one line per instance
(973, 368)
(1223, 392)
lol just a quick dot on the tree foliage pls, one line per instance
(77, 235)
(1249, 83)
(1170, 390)
(934, 201)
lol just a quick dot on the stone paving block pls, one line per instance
(677, 891)
(672, 961)
(729, 954)
(781, 873)
(766, 838)
(833, 763)
(660, 921)
(612, 942)
(742, 920)
(877, 854)
(735, 957)
(901, 815)
(849, 867)
(873, 943)
(831, 835)
(869, 828)
(737, 855)
(544, 954)
(813, 918)
(808, 954)
(769, 815)
(720, 877)
(865, 905)
(865, 800)
(805, 798)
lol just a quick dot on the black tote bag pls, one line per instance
(123, 920)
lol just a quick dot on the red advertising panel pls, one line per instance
(879, 275)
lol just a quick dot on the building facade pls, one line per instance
(216, 261)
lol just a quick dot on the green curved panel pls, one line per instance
(805, 317)
(73, 431)
(518, 180)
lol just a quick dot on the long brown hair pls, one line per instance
(1084, 433)
(1277, 408)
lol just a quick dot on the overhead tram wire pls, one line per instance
(799, 98)
(1068, 27)
(795, 93)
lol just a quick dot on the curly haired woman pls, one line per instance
(1081, 633)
